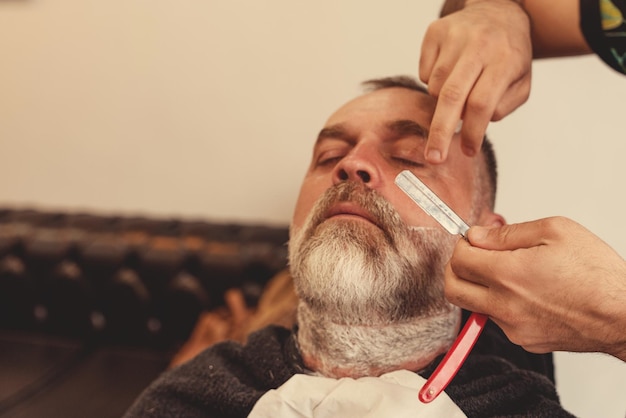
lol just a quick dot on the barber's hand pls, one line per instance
(549, 284)
(477, 62)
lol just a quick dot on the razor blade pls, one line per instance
(454, 358)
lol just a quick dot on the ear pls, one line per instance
(488, 218)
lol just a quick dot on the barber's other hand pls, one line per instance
(549, 284)
(477, 62)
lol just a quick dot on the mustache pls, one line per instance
(379, 210)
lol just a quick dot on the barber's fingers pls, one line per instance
(431, 44)
(470, 88)
(465, 293)
(492, 97)
(502, 306)
(438, 60)
(476, 265)
(480, 107)
(505, 82)
(451, 82)
(473, 93)
(516, 236)
(440, 52)
(480, 280)
(516, 95)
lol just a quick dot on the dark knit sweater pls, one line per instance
(498, 379)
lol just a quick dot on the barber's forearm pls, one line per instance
(555, 28)
(451, 6)
(555, 25)
(619, 312)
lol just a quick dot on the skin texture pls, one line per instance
(477, 61)
(376, 136)
(549, 284)
(370, 140)
(545, 288)
(357, 139)
(478, 64)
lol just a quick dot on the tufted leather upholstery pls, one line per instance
(93, 306)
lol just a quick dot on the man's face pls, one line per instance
(361, 252)
(370, 140)
(367, 263)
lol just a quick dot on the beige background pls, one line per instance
(208, 109)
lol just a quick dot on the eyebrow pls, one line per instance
(406, 127)
(337, 131)
(399, 128)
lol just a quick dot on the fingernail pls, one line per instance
(478, 233)
(434, 155)
(469, 150)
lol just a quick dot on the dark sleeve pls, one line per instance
(223, 381)
(602, 23)
(494, 341)
(209, 385)
(501, 379)
(489, 386)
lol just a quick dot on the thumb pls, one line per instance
(507, 237)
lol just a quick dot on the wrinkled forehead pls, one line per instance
(395, 103)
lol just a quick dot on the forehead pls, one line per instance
(393, 103)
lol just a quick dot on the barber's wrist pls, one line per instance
(467, 2)
(621, 279)
(618, 349)
(621, 354)
(451, 6)
(614, 311)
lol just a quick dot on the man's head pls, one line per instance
(363, 256)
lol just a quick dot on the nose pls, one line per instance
(359, 165)
(361, 174)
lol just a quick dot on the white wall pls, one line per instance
(208, 109)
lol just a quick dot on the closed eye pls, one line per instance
(407, 162)
(329, 151)
(323, 162)
(329, 157)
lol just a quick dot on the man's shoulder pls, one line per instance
(489, 385)
(501, 378)
(271, 348)
(225, 379)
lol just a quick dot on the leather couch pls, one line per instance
(93, 306)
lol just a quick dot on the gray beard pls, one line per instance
(371, 298)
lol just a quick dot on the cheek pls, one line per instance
(460, 198)
(310, 192)
(415, 216)
(410, 213)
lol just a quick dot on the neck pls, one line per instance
(344, 350)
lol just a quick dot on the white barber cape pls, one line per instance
(391, 395)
